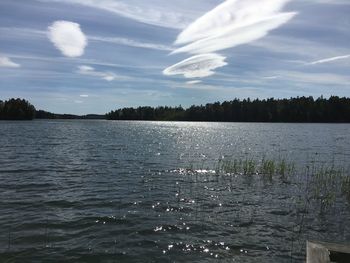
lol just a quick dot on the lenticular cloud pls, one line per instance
(234, 36)
(230, 14)
(198, 66)
(232, 23)
(68, 38)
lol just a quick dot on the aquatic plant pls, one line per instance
(249, 166)
(345, 187)
(323, 183)
(268, 168)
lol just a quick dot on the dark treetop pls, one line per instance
(300, 109)
(16, 109)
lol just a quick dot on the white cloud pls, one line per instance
(90, 71)
(232, 23)
(68, 38)
(154, 12)
(198, 66)
(193, 82)
(130, 43)
(230, 14)
(84, 96)
(6, 62)
(78, 101)
(271, 77)
(233, 36)
(326, 60)
(25, 33)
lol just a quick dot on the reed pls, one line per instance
(324, 183)
(249, 166)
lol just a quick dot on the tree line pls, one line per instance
(40, 114)
(301, 109)
(20, 109)
(16, 109)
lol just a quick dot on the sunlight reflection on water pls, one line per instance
(126, 191)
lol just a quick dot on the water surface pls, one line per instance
(104, 191)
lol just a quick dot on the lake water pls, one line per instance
(104, 191)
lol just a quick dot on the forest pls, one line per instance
(16, 109)
(300, 109)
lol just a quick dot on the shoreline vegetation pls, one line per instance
(321, 184)
(294, 110)
(310, 190)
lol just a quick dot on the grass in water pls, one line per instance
(325, 183)
(265, 167)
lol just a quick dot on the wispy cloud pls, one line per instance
(327, 60)
(232, 23)
(68, 38)
(84, 96)
(333, 2)
(130, 43)
(6, 62)
(315, 78)
(270, 77)
(142, 11)
(90, 71)
(198, 66)
(193, 82)
(28, 33)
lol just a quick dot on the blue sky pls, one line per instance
(92, 56)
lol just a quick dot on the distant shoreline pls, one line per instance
(293, 110)
(243, 122)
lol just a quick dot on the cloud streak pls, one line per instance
(157, 14)
(230, 24)
(193, 82)
(327, 60)
(6, 62)
(90, 71)
(68, 38)
(198, 66)
(28, 33)
(130, 43)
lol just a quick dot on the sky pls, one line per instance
(94, 56)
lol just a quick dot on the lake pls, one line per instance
(105, 191)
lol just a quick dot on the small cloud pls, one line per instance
(90, 71)
(193, 82)
(271, 77)
(78, 101)
(84, 96)
(198, 66)
(6, 62)
(327, 60)
(68, 38)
